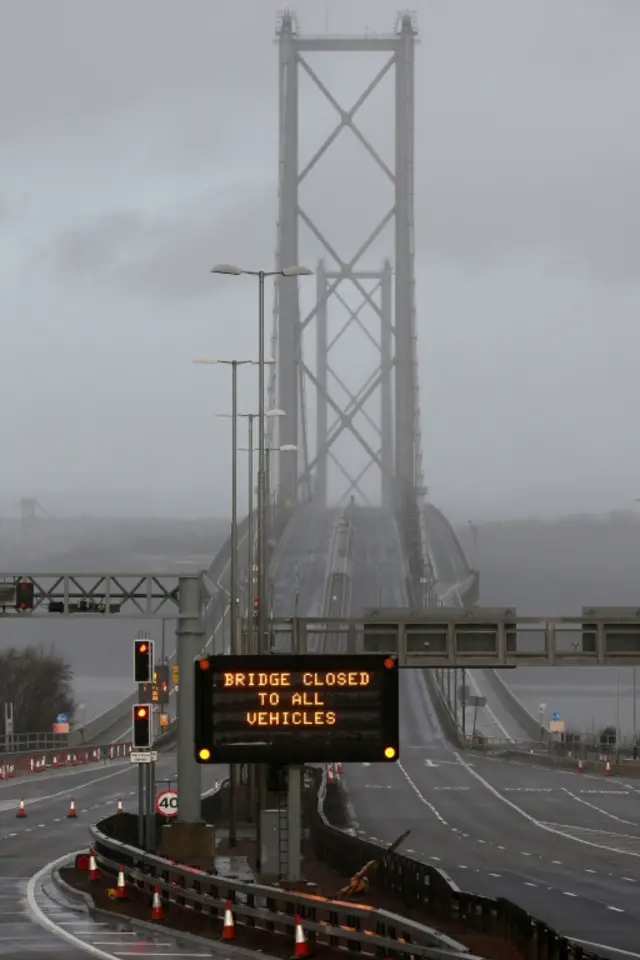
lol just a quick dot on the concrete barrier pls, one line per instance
(513, 706)
(443, 711)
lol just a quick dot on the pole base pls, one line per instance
(190, 843)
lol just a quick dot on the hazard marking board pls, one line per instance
(167, 803)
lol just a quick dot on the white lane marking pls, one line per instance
(42, 920)
(593, 806)
(567, 894)
(137, 953)
(616, 909)
(603, 946)
(421, 797)
(10, 804)
(527, 816)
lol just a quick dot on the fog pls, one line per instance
(139, 146)
(555, 568)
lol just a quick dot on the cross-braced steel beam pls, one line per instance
(396, 452)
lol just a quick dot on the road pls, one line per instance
(28, 845)
(564, 846)
(481, 820)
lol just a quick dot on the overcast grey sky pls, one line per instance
(138, 146)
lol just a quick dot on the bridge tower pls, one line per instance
(387, 291)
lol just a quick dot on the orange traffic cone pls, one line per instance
(94, 873)
(121, 889)
(21, 810)
(72, 810)
(120, 806)
(301, 948)
(228, 926)
(579, 766)
(607, 769)
(157, 912)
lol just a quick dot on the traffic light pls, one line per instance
(24, 595)
(143, 661)
(141, 726)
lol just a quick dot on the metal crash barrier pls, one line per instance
(56, 759)
(356, 927)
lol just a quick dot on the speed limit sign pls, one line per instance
(167, 803)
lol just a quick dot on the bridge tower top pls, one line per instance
(380, 416)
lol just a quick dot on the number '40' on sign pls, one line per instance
(167, 803)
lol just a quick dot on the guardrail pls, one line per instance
(23, 742)
(343, 924)
(41, 761)
(337, 923)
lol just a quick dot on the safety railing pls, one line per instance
(43, 760)
(23, 742)
(353, 926)
(340, 924)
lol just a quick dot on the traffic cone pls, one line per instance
(94, 873)
(157, 912)
(301, 948)
(579, 766)
(72, 810)
(120, 806)
(228, 926)
(21, 810)
(121, 888)
(607, 769)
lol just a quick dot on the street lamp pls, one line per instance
(233, 598)
(250, 418)
(229, 269)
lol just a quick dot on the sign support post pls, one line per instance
(190, 643)
(141, 806)
(294, 825)
(150, 808)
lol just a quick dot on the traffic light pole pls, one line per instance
(142, 807)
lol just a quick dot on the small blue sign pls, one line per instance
(555, 715)
(62, 718)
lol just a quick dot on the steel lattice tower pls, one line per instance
(392, 299)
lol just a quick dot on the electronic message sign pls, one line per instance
(292, 708)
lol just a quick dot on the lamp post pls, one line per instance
(250, 417)
(228, 269)
(283, 448)
(233, 592)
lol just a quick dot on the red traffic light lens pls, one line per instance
(142, 648)
(142, 712)
(389, 663)
(204, 664)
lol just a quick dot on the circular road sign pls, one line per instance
(167, 803)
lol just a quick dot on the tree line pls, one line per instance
(39, 684)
